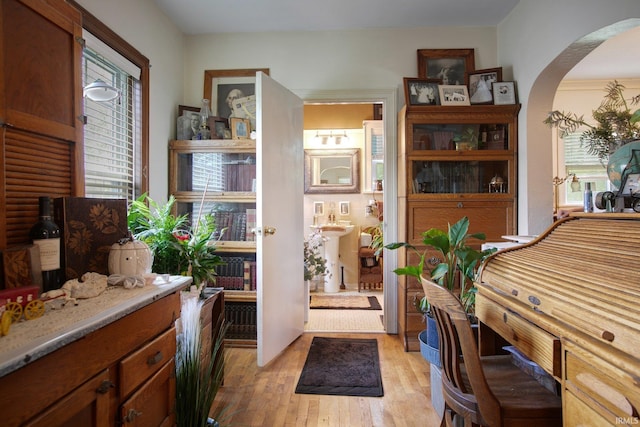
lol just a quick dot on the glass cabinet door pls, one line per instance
(459, 137)
(438, 177)
(216, 172)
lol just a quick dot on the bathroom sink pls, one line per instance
(334, 230)
(332, 233)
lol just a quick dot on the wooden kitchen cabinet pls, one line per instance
(442, 178)
(119, 374)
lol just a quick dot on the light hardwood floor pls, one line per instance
(266, 396)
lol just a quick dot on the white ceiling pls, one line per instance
(230, 16)
(616, 58)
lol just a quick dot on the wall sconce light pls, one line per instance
(100, 91)
(331, 138)
(575, 187)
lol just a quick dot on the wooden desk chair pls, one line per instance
(484, 391)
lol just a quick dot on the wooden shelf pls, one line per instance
(239, 296)
(214, 145)
(235, 246)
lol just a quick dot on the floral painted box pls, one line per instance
(89, 227)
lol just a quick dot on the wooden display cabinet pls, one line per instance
(444, 176)
(219, 177)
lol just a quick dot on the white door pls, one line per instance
(279, 205)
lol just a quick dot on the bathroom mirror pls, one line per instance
(332, 171)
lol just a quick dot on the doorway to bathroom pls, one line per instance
(362, 206)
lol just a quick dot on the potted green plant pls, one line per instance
(178, 247)
(467, 140)
(315, 265)
(457, 270)
(198, 375)
(616, 123)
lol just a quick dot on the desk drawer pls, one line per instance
(577, 413)
(614, 395)
(534, 342)
(136, 368)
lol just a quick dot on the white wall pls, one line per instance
(147, 29)
(530, 40)
(362, 59)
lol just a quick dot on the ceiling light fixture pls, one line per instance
(100, 91)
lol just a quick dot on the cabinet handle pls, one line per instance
(460, 205)
(132, 415)
(104, 387)
(152, 360)
(434, 260)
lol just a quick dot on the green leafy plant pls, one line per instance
(198, 375)
(467, 135)
(616, 123)
(459, 264)
(178, 247)
(315, 265)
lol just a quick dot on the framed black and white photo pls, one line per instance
(504, 93)
(454, 95)
(481, 85)
(452, 66)
(218, 126)
(223, 87)
(188, 122)
(421, 91)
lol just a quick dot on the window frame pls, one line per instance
(117, 43)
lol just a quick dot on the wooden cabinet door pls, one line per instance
(88, 406)
(153, 404)
(41, 109)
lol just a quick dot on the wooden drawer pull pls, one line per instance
(152, 360)
(131, 416)
(104, 387)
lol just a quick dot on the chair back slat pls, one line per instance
(456, 340)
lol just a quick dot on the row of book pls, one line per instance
(236, 226)
(242, 318)
(240, 177)
(237, 273)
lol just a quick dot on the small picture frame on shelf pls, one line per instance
(454, 95)
(504, 93)
(188, 122)
(481, 85)
(240, 128)
(218, 125)
(421, 91)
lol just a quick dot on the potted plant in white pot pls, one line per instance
(456, 271)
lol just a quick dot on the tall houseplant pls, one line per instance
(459, 264)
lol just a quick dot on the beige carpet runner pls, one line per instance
(355, 302)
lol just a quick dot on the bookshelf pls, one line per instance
(219, 177)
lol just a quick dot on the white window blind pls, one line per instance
(587, 168)
(112, 133)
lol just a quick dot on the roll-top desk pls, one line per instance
(570, 301)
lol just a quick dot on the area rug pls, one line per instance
(342, 367)
(355, 302)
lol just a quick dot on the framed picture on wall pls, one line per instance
(481, 85)
(223, 87)
(452, 66)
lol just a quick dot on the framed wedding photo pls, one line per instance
(454, 95)
(504, 93)
(481, 85)
(452, 66)
(421, 91)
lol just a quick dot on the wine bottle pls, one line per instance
(46, 235)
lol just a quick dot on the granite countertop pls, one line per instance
(30, 340)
